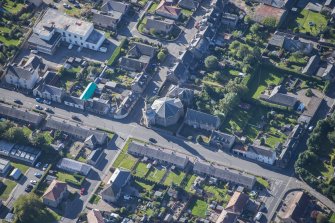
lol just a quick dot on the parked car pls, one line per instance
(74, 117)
(48, 110)
(38, 175)
(38, 165)
(33, 182)
(152, 140)
(29, 188)
(67, 6)
(34, 51)
(72, 1)
(258, 216)
(39, 100)
(48, 102)
(38, 107)
(18, 101)
(45, 166)
(77, 5)
(70, 46)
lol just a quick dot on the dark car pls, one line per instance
(18, 101)
(152, 140)
(74, 117)
(29, 188)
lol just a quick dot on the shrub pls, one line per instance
(116, 53)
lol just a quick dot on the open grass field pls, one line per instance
(175, 177)
(189, 182)
(124, 159)
(61, 176)
(307, 22)
(9, 186)
(141, 170)
(199, 208)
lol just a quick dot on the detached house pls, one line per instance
(222, 140)
(110, 15)
(257, 152)
(56, 192)
(117, 182)
(138, 57)
(163, 27)
(279, 97)
(201, 120)
(237, 203)
(188, 4)
(168, 11)
(26, 73)
(49, 92)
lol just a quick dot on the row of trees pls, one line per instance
(319, 143)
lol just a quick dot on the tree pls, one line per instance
(321, 218)
(243, 51)
(28, 208)
(211, 62)
(247, 19)
(270, 22)
(161, 56)
(262, 141)
(331, 137)
(17, 135)
(254, 28)
(228, 103)
(309, 93)
(199, 139)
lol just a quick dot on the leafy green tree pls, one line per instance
(211, 62)
(228, 103)
(28, 208)
(17, 135)
(247, 19)
(254, 28)
(161, 56)
(270, 22)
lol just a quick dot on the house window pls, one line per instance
(75, 36)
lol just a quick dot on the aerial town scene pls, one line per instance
(158, 111)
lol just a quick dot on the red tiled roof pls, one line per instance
(162, 7)
(94, 216)
(55, 189)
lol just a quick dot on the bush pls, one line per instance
(161, 56)
(116, 53)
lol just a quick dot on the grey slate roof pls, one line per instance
(52, 90)
(74, 100)
(105, 19)
(188, 4)
(277, 40)
(138, 49)
(114, 6)
(120, 177)
(312, 65)
(277, 97)
(19, 72)
(33, 62)
(222, 138)
(159, 25)
(14, 113)
(187, 58)
(274, 3)
(76, 166)
(224, 174)
(260, 150)
(178, 160)
(35, 39)
(201, 117)
(75, 130)
(167, 107)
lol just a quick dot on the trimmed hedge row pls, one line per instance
(116, 53)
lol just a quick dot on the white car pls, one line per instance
(258, 216)
(103, 49)
(34, 51)
(70, 46)
(33, 182)
(126, 197)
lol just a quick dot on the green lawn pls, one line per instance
(48, 216)
(141, 169)
(61, 176)
(21, 167)
(153, 7)
(190, 181)
(73, 12)
(175, 177)
(94, 199)
(305, 17)
(9, 186)
(12, 7)
(199, 208)
(262, 79)
(187, 13)
(156, 174)
(263, 182)
(125, 160)
(332, 218)
(218, 193)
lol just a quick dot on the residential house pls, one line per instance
(49, 92)
(98, 106)
(310, 110)
(189, 4)
(111, 193)
(164, 111)
(165, 156)
(222, 140)
(257, 152)
(179, 73)
(199, 47)
(224, 174)
(55, 27)
(75, 131)
(55, 193)
(74, 102)
(289, 43)
(237, 203)
(21, 77)
(279, 97)
(15, 174)
(94, 216)
(36, 3)
(4, 167)
(277, 3)
(229, 20)
(25, 117)
(198, 119)
(184, 94)
(94, 157)
(74, 166)
(312, 65)
(110, 15)
(295, 210)
(168, 11)
(91, 142)
(161, 27)
(327, 73)
(140, 82)
(138, 57)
